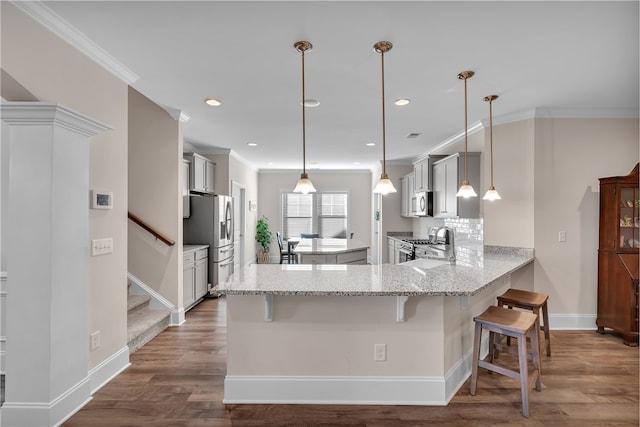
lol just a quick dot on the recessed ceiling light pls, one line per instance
(252, 144)
(402, 101)
(311, 102)
(213, 102)
(370, 144)
(356, 163)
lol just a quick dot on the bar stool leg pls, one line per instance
(524, 374)
(547, 336)
(535, 356)
(476, 357)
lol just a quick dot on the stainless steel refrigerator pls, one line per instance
(211, 223)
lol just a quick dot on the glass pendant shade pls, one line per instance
(304, 185)
(491, 194)
(466, 190)
(384, 186)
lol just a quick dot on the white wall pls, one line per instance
(358, 183)
(155, 155)
(248, 177)
(392, 220)
(570, 156)
(55, 72)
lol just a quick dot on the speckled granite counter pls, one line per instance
(419, 277)
(307, 333)
(192, 248)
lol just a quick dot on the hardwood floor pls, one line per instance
(177, 380)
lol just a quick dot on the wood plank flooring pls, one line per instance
(177, 380)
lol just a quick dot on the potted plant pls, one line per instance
(263, 237)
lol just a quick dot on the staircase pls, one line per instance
(143, 324)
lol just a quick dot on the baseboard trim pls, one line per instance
(158, 302)
(345, 390)
(54, 413)
(571, 322)
(109, 369)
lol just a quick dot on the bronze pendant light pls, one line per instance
(491, 193)
(384, 186)
(466, 190)
(304, 184)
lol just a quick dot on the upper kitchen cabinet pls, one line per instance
(184, 185)
(618, 256)
(201, 173)
(408, 195)
(448, 174)
(422, 171)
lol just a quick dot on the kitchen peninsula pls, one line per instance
(360, 334)
(331, 251)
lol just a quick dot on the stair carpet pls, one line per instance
(143, 324)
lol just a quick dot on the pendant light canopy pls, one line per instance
(304, 184)
(384, 186)
(466, 190)
(491, 193)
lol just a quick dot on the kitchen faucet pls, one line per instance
(449, 242)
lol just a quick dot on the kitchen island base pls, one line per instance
(320, 349)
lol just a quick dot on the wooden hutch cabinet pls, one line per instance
(618, 255)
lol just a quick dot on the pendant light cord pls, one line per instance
(304, 150)
(491, 137)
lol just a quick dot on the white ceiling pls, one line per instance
(577, 56)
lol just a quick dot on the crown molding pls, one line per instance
(176, 114)
(70, 34)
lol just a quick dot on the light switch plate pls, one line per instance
(101, 246)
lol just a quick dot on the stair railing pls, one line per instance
(158, 235)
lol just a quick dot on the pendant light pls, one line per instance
(304, 184)
(384, 186)
(491, 193)
(466, 190)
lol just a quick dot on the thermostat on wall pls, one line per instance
(101, 199)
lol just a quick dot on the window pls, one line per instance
(323, 213)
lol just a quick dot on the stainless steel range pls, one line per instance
(440, 244)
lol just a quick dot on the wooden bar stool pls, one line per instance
(516, 324)
(533, 301)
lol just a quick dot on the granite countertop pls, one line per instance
(192, 248)
(328, 246)
(423, 277)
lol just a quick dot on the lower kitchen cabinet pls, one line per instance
(195, 270)
(353, 257)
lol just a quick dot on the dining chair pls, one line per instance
(284, 253)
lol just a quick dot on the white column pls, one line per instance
(47, 331)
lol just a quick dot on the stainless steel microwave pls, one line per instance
(424, 203)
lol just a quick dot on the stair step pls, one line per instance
(143, 325)
(137, 302)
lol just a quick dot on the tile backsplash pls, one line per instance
(469, 233)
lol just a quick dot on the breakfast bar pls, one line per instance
(360, 334)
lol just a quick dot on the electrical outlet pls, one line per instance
(562, 236)
(95, 340)
(379, 352)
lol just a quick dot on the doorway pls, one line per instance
(238, 192)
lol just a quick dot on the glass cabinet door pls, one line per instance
(629, 235)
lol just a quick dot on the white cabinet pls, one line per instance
(195, 270)
(448, 174)
(201, 172)
(184, 184)
(188, 279)
(422, 171)
(391, 243)
(421, 175)
(201, 273)
(408, 195)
